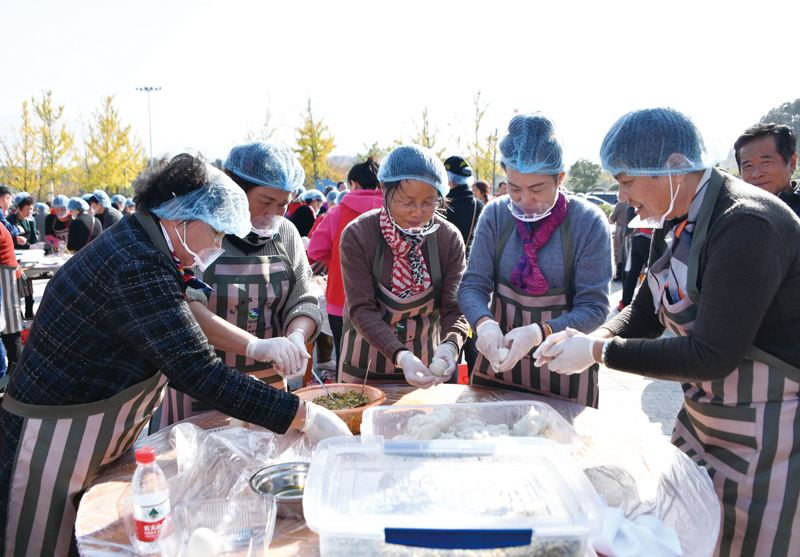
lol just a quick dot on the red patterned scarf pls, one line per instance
(409, 272)
(527, 275)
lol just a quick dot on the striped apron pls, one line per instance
(514, 308)
(12, 308)
(60, 449)
(249, 292)
(413, 320)
(744, 429)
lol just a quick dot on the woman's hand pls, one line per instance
(281, 351)
(567, 352)
(321, 423)
(299, 340)
(520, 342)
(445, 352)
(490, 340)
(415, 371)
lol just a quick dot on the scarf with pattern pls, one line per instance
(409, 272)
(526, 275)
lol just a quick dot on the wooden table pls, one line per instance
(99, 527)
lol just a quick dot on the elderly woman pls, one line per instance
(83, 401)
(23, 219)
(401, 266)
(543, 260)
(56, 225)
(84, 226)
(724, 276)
(261, 287)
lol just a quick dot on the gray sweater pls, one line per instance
(302, 300)
(591, 245)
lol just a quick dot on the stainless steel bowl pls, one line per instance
(286, 483)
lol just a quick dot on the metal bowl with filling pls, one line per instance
(286, 482)
(351, 416)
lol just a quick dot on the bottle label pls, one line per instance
(149, 520)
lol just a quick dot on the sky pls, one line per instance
(370, 68)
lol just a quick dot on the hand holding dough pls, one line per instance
(438, 367)
(502, 354)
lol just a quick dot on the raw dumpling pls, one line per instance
(428, 426)
(438, 367)
(533, 424)
(502, 354)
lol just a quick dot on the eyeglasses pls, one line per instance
(408, 207)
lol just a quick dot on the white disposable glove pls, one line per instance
(299, 341)
(490, 340)
(548, 342)
(415, 371)
(574, 353)
(447, 353)
(321, 423)
(520, 341)
(281, 351)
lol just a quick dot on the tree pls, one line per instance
(268, 131)
(314, 144)
(374, 150)
(20, 157)
(427, 136)
(54, 142)
(788, 113)
(583, 175)
(481, 167)
(112, 156)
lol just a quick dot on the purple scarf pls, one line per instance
(527, 276)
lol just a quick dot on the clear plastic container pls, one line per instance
(390, 421)
(150, 503)
(449, 498)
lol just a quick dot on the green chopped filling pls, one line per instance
(342, 401)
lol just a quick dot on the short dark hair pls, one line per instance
(365, 174)
(5, 191)
(25, 201)
(168, 179)
(93, 199)
(785, 140)
(243, 183)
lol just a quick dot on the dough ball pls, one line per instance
(502, 354)
(204, 543)
(438, 367)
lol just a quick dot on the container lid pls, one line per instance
(145, 455)
(367, 487)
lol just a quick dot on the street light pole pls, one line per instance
(149, 118)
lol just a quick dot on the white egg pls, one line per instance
(204, 543)
(438, 367)
(502, 354)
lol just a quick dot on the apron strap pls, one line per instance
(377, 263)
(284, 255)
(700, 232)
(149, 225)
(789, 372)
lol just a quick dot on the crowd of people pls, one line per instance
(202, 292)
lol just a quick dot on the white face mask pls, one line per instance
(419, 231)
(533, 214)
(266, 227)
(203, 259)
(656, 222)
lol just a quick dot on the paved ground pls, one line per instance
(644, 402)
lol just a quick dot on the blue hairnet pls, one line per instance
(118, 199)
(266, 163)
(87, 196)
(102, 197)
(332, 196)
(77, 203)
(39, 207)
(414, 162)
(130, 203)
(300, 190)
(20, 196)
(60, 200)
(313, 194)
(221, 204)
(532, 146)
(642, 143)
(459, 180)
(341, 195)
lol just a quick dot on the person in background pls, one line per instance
(118, 202)
(23, 219)
(502, 189)
(619, 218)
(40, 216)
(331, 197)
(767, 158)
(401, 266)
(102, 209)
(639, 252)
(303, 218)
(724, 276)
(480, 190)
(341, 186)
(10, 275)
(295, 201)
(56, 225)
(113, 327)
(463, 210)
(130, 207)
(364, 195)
(84, 227)
(543, 261)
(6, 198)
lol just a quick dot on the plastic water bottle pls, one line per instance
(150, 500)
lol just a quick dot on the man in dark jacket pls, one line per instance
(767, 158)
(463, 209)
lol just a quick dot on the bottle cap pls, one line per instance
(145, 455)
